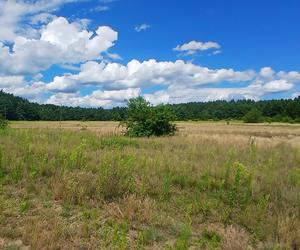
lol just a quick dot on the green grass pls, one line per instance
(63, 189)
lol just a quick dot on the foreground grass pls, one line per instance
(63, 189)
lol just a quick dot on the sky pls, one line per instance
(100, 53)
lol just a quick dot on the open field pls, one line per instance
(264, 133)
(80, 185)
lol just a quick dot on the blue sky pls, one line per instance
(170, 51)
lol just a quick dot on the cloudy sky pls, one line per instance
(94, 53)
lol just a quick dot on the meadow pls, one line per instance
(82, 185)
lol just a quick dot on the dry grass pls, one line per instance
(80, 185)
(263, 133)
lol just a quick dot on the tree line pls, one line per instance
(283, 110)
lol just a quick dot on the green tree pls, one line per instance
(146, 120)
(253, 116)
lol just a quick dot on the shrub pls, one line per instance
(297, 120)
(253, 116)
(3, 123)
(146, 120)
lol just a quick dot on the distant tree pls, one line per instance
(284, 110)
(253, 116)
(146, 120)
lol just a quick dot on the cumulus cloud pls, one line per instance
(267, 72)
(60, 42)
(178, 95)
(291, 76)
(277, 86)
(181, 81)
(11, 81)
(142, 27)
(147, 73)
(184, 95)
(33, 91)
(255, 90)
(97, 98)
(13, 12)
(193, 47)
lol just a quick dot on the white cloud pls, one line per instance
(173, 95)
(11, 81)
(97, 98)
(60, 42)
(255, 90)
(142, 27)
(34, 92)
(147, 73)
(292, 76)
(181, 81)
(107, 1)
(100, 8)
(267, 72)
(42, 18)
(216, 52)
(13, 12)
(193, 47)
(295, 95)
(114, 56)
(277, 86)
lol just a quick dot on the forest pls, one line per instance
(283, 110)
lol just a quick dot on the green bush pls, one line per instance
(280, 118)
(253, 116)
(3, 123)
(146, 120)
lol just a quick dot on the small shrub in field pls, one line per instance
(116, 179)
(146, 120)
(184, 235)
(210, 240)
(148, 236)
(238, 190)
(3, 123)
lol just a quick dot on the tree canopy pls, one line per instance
(284, 110)
(146, 120)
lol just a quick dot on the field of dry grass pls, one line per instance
(81, 185)
(263, 133)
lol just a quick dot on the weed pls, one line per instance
(148, 236)
(116, 179)
(117, 142)
(238, 191)
(25, 206)
(210, 240)
(182, 241)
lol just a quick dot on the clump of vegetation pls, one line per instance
(210, 240)
(3, 123)
(253, 116)
(146, 120)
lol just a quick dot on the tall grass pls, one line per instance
(61, 189)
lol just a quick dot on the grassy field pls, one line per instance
(81, 185)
